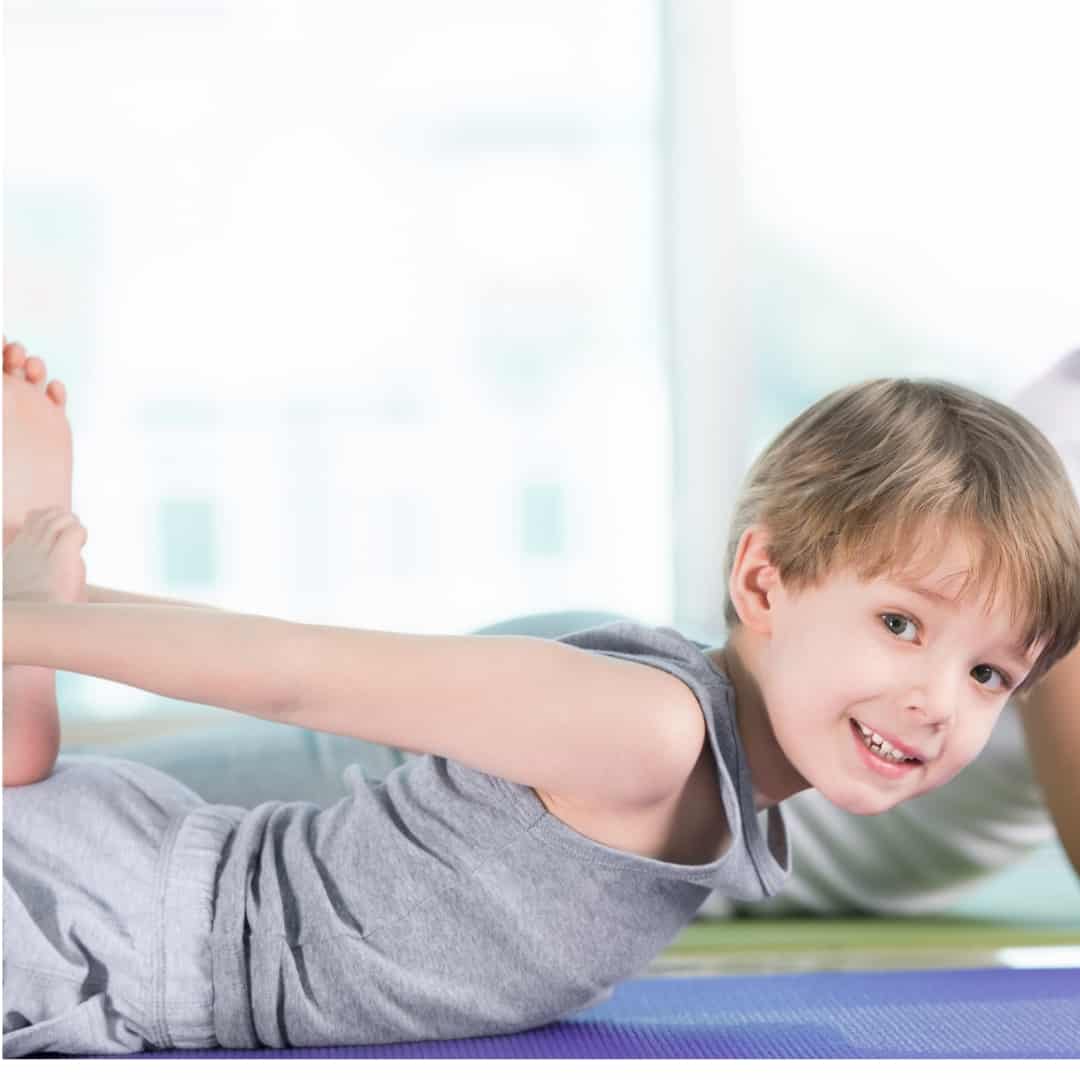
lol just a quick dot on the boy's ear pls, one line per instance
(754, 580)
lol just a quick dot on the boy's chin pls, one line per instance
(862, 801)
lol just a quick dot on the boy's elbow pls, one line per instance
(14, 776)
(29, 756)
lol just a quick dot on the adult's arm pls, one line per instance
(540, 713)
(1051, 718)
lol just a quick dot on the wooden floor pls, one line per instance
(751, 946)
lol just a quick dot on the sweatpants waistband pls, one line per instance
(182, 989)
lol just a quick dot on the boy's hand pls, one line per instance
(44, 561)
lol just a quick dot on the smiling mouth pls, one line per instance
(881, 747)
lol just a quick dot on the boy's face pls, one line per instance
(929, 675)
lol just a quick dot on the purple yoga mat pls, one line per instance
(993, 1012)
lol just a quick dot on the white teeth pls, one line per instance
(882, 747)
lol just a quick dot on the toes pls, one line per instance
(32, 369)
(16, 362)
(57, 392)
(35, 369)
(14, 358)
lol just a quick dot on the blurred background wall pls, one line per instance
(418, 316)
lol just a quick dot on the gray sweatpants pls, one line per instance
(109, 871)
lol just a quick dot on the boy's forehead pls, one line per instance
(939, 566)
(942, 586)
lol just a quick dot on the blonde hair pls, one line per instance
(872, 473)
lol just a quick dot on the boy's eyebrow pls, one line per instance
(931, 594)
(1014, 651)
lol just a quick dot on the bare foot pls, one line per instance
(37, 439)
(37, 473)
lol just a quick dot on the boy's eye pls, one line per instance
(900, 625)
(984, 675)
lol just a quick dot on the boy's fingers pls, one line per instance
(72, 533)
(59, 524)
(38, 521)
(44, 513)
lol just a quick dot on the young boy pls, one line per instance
(1019, 797)
(904, 556)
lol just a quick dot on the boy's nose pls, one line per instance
(934, 699)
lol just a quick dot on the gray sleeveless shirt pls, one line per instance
(444, 902)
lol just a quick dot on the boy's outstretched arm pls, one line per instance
(577, 724)
(95, 594)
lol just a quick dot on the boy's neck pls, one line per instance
(773, 776)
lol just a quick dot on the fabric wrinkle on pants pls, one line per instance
(109, 875)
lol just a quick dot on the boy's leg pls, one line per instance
(109, 872)
(37, 473)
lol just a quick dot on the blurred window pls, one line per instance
(364, 308)
(910, 173)
(358, 304)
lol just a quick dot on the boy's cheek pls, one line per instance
(814, 658)
(960, 751)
